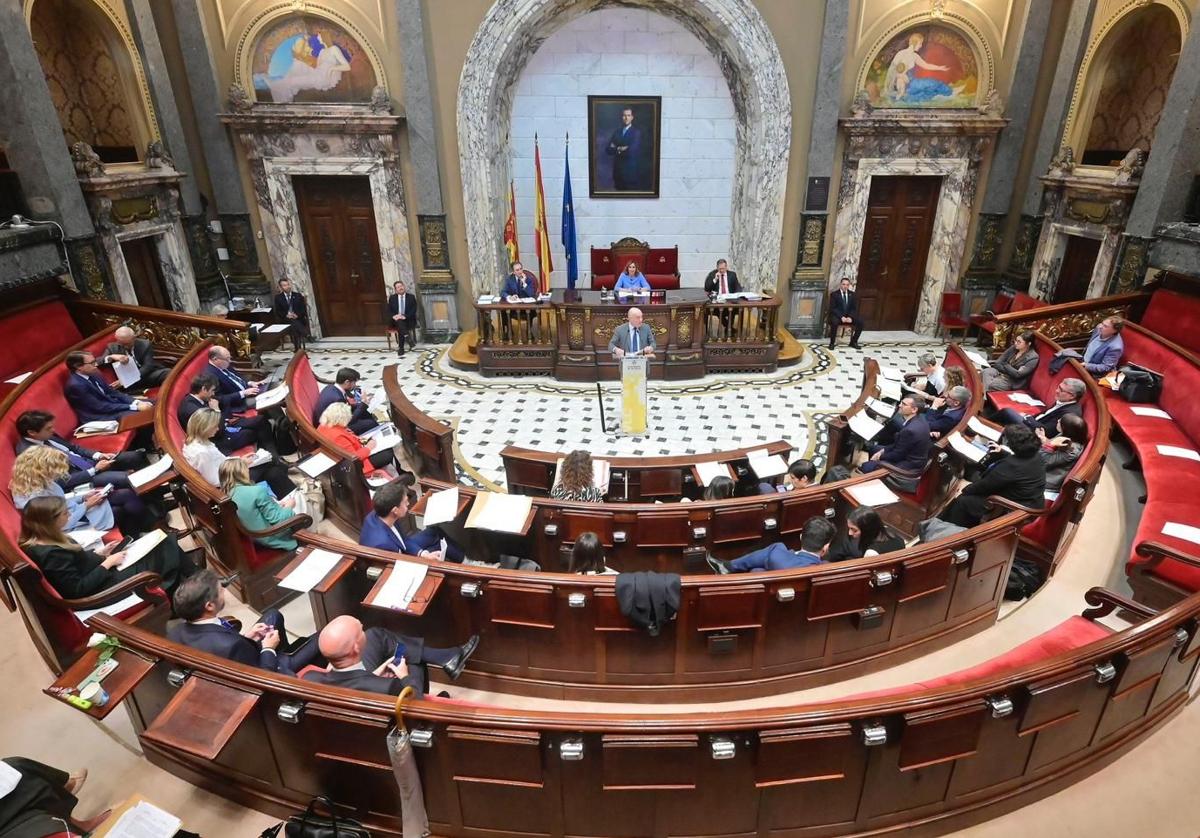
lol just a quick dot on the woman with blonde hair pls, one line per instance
(75, 572)
(204, 456)
(334, 427)
(576, 480)
(256, 509)
(35, 474)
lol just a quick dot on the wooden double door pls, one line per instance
(146, 273)
(895, 250)
(337, 217)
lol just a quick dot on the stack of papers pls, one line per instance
(261, 310)
(151, 472)
(499, 512)
(145, 820)
(317, 464)
(889, 389)
(313, 569)
(1025, 398)
(872, 493)
(976, 359)
(401, 586)
(442, 507)
(100, 426)
(766, 465)
(86, 538)
(488, 299)
(379, 478)
(299, 501)
(261, 455)
(110, 610)
(139, 549)
(128, 373)
(891, 373)
(864, 426)
(983, 429)
(710, 471)
(882, 408)
(271, 397)
(275, 329)
(385, 436)
(970, 450)
(601, 473)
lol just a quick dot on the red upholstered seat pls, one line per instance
(950, 318)
(305, 387)
(1155, 514)
(987, 320)
(35, 334)
(1175, 317)
(659, 266)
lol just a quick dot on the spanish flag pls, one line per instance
(510, 228)
(541, 237)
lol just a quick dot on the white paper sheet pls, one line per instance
(261, 310)
(261, 455)
(141, 547)
(771, 465)
(872, 493)
(442, 507)
(1176, 451)
(889, 389)
(271, 397)
(1187, 533)
(128, 373)
(100, 426)
(299, 501)
(401, 585)
(276, 328)
(1152, 412)
(317, 464)
(960, 444)
(86, 538)
(151, 472)
(145, 821)
(1025, 398)
(378, 479)
(111, 610)
(385, 435)
(891, 373)
(977, 359)
(983, 429)
(710, 471)
(882, 408)
(9, 777)
(864, 426)
(313, 569)
(17, 379)
(502, 512)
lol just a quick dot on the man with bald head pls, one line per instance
(380, 661)
(633, 337)
(126, 346)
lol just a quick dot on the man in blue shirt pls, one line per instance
(1106, 347)
(814, 543)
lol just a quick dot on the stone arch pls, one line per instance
(732, 30)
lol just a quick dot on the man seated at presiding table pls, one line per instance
(127, 345)
(800, 473)
(334, 427)
(910, 449)
(36, 428)
(577, 480)
(381, 528)
(233, 391)
(721, 280)
(631, 279)
(814, 543)
(235, 431)
(345, 389)
(200, 601)
(520, 284)
(90, 396)
(381, 661)
(75, 572)
(1015, 472)
(632, 337)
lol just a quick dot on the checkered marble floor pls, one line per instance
(713, 413)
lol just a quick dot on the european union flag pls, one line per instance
(568, 226)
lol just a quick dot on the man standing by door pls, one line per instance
(843, 311)
(291, 308)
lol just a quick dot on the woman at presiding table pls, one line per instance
(202, 455)
(335, 427)
(256, 508)
(631, 279)
(576, 480)
(75, 572)
(35, 474)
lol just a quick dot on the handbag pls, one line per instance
(311, 825)
(1139, 385)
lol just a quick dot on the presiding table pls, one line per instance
(567, 335)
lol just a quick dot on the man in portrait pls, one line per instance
(625, 148)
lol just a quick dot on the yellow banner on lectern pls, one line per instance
(633, 394)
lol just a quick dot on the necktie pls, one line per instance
(291, 307)
(74, 459)
(724, 284)
(235, 379)
(845, 300)
(226, 624)
(633, 343)
(99, 386)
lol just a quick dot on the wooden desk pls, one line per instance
(420, 601)
(132, 421)
(131, 669)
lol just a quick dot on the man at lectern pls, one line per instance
(632, 337)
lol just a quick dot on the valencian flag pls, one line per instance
(568, 221)
(541, 237)
(510, 228)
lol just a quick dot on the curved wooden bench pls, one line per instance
(429, 444)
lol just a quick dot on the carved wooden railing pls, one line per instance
(1066, 322)
(173, 333)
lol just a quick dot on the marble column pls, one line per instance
(33, 141)
(1170, 170)
(245, 275)
(200, 247)
(436, 286)
(1070, 58)
(806, 316)
(983, 275)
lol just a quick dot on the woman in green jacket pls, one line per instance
(257, 508)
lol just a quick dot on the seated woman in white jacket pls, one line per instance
(202, 455)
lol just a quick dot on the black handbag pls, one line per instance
(1140, 385)
(311, 825)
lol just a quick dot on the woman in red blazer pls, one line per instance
(334, 422)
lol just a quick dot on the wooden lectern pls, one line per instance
(634, 369)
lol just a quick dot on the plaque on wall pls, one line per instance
(818, 194)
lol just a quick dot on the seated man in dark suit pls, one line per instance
(368, 660)
(1066, 403)
(90, 396)
(36, 427)
(200, 601)
(233, 391)
(843, 310)
(1019, 476)
(291, 308)
(345, 389)
(401, 315)
(947, 411)
(381, 528)
(722, 280)
(814, 543)
(236, 431)
(522, 285)
(910, 450)
(128, 346)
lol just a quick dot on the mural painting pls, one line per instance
(303, 58)
(928, 66)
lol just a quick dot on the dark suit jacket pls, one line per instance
(152, 371)
(298, 304)
(711, 285)
(910, 450)
(380, 646)
(1020, 479)
(379, 535)
(524, 286)
(330, 394)
(943, 420)
(1048, 419)
(189, 405)
(225, 642)
(836, 308)
(93, 404)
(229, 394)
(393, 308)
